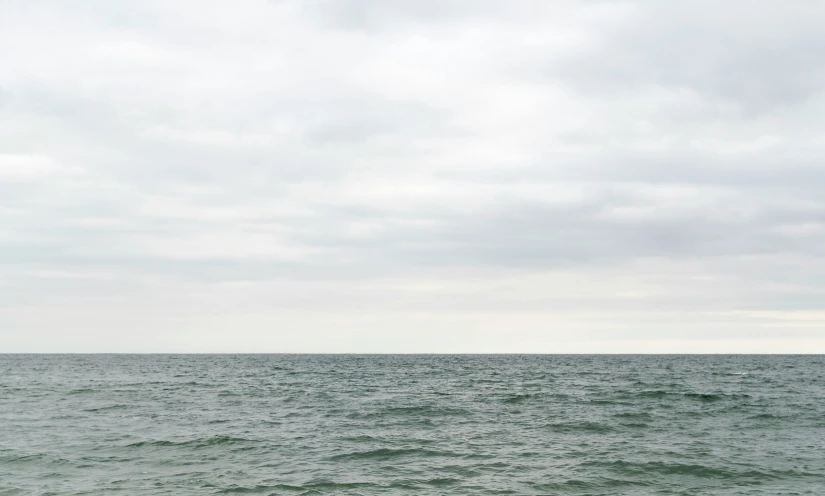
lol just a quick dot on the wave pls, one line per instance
(36, 459)
(192, 443)
(311, 487)
(634, 415)
(360, 439)
(82, 391)
(327, 486)
(417, 411)
(389, 453)
(517, 398)
(716, 396)
(118, 406)
(416, 484)
(11, 491)
(579, 485)
(694, 470)
(583, 426)
(704, 397)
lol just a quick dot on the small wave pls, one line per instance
(716, 396)
(578, 484)
(636, 425)
(610, 402)
(337, 487)
(106, 408)
(258, 489)
(418, 411)
(82, 391)
(38, 459)
(389, 453)
(595, 427)
(11, 491)
(518, 398)
(634, 415)
(653, 394)
(416, 484)
(704, 397)
(429, 410)
(685, 469)
(192, 383)
(766, 416)
(359, 439)
(192, 443)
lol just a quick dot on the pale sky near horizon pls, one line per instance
(412, 176)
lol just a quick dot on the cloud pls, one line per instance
(587, 171)
(25, 167)
(758, 58)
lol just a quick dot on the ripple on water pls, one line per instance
(375, 425)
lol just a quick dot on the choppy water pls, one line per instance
(289, 424)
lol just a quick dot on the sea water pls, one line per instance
(406, 424)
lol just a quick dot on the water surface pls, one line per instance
(488, 425)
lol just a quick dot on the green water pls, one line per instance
(290, 424)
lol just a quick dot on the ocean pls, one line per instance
(412, 424)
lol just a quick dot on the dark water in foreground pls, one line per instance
(288, 424)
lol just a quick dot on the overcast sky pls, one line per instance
(412, 176)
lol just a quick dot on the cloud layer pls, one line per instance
(429, 176)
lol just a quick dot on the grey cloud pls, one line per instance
(377, 157)
(383, 16)
(613, 227)
(736, 52)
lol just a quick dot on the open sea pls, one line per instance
(412, 424)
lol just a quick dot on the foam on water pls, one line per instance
(290, 424)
